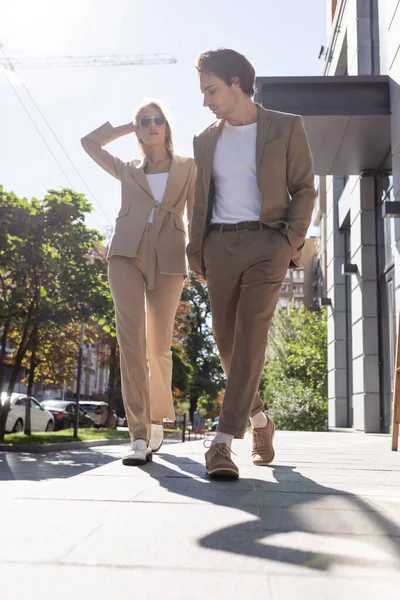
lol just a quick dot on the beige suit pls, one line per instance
(137, 203)
(245, 269)
(147, 265)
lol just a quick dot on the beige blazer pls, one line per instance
(285, 177)
(137, 203)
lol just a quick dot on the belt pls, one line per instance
(242, 226)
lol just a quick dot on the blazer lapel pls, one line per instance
(139, 176)
(263, 125)
(209, 153)
(176, 178)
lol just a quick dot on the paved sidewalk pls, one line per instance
(323, 523)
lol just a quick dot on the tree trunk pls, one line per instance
(193, 405)
(32, 367)
(26, 341)
(111, 382)
(4, 408)
(3, 349)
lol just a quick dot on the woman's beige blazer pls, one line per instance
(137, 202)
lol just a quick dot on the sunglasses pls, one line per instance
(147, 121)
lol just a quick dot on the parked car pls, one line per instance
(64, 414)
(41, 419)
(215, 424)
(98, 411)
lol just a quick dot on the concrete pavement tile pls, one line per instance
(230, 494)
(174, 536)
(103, 583)
(389, 505)
(196, 491)
(315, 520)
(36, 467)
(180, 536)
(114, 489)
(156, 469)
(308, 486)
(365, 555)
(44, 530)
(330, 588)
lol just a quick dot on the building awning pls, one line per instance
(347, 118)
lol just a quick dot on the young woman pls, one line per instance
(147, 266)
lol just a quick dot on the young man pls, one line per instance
(253, 205)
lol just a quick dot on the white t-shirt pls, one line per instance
(237, 195)
(157, 183)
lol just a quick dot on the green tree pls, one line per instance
(207, 377)
(296, 407)
(181, 373)
(49, 272)
(296, 367)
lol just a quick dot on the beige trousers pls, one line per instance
(145, 320)
(244, 273)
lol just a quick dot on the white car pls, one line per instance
(41, 419)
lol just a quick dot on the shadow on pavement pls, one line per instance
(281, 517)
(53, 465)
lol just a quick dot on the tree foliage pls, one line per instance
(50, 276)
(294, 381)
(207, 376)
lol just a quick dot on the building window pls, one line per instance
(283, 302)
(285, 288)
(298, 289)
(299, 274)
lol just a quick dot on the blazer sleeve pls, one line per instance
(93, 144)
(300, 181)
(193, 249)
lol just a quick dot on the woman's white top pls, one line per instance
(157, 183)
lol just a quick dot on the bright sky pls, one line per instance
(280, 39)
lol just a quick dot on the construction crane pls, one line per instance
(11, 63)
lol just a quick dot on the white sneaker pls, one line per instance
(156, 437)
(138, 454)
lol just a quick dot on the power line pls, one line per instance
(55, 137)
(65, 152)
(46, 144)
(39, 132)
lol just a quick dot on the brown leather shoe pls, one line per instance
(263, 452)
(219, 462)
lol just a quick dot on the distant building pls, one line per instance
(299, 284)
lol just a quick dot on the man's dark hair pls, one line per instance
(226, 64)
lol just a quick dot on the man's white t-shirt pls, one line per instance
(237, 195)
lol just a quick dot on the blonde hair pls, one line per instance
(163, 111)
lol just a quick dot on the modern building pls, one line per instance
(299, 284)
(352, 117)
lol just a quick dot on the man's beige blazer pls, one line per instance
(285, 177)
(137, 202)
